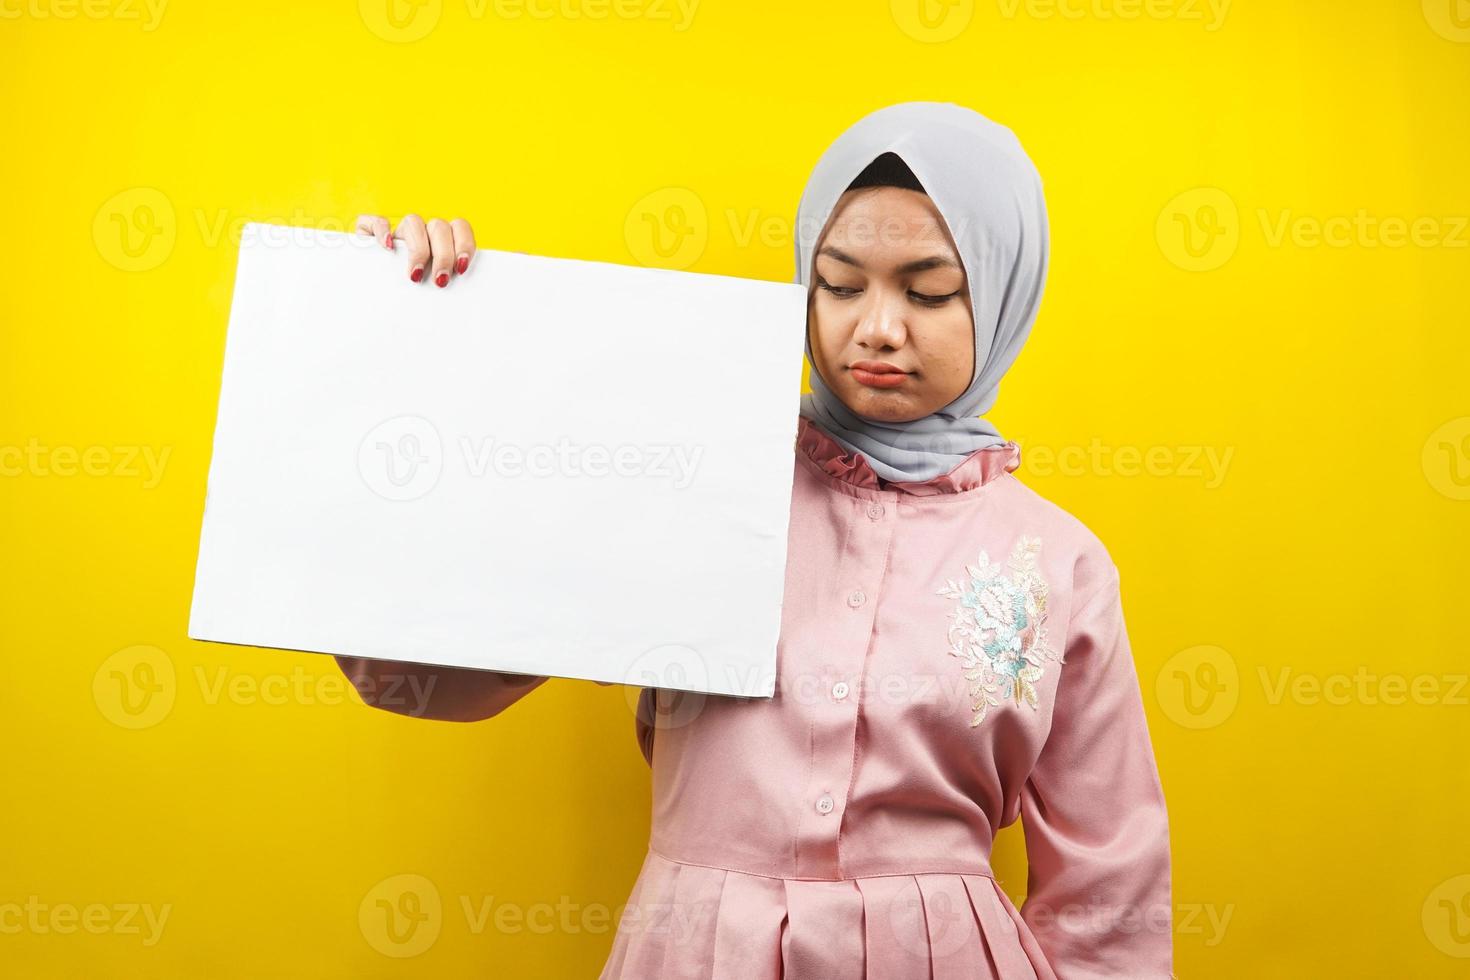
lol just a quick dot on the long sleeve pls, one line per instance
(439, 693)
(644, 719)
(1093, 813)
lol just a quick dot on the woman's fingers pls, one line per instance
(437, 250)
(464, 244)
(377, 226)
(411, 229)
(441, 245)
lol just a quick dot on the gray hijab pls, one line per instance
(989, 194)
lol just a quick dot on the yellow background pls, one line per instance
(1318, 829)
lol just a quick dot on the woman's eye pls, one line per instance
(839, 291)
(928, 300)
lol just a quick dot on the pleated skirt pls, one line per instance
(692, 922)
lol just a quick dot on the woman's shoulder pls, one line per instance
(1065, 538)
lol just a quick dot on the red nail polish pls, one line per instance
(390, 243)
(462, 264)
(417, 274)
(442, 280)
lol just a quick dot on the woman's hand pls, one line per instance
(439, 249)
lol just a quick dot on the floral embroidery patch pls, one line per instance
(998, 629)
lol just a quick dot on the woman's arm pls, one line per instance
(440, 693)
(1096, 826)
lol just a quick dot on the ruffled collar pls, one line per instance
(975, 470)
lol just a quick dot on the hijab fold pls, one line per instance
(989, 194)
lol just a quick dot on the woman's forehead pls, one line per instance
(887, 226)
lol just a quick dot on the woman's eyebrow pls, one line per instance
(918, 265)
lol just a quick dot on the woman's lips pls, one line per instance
(878, 374)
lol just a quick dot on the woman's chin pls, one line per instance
(882, 406)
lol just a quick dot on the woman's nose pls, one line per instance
(882, 320)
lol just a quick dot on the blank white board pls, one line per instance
(555, 467)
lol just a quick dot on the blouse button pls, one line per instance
(839, 690)
(856, 598)
(875, 510)
(824, 804)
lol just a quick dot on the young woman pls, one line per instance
(953, 653)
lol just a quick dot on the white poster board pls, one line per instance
(556, 467)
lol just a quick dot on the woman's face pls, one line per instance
(889, 317)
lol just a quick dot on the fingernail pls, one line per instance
(462, 264)
(417, 273)
(390, 243)
(442, 280)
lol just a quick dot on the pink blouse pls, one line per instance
(952, 656)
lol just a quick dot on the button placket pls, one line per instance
(862, 566)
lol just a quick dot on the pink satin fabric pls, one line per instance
(845, 832)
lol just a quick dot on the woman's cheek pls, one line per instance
(825, 322)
